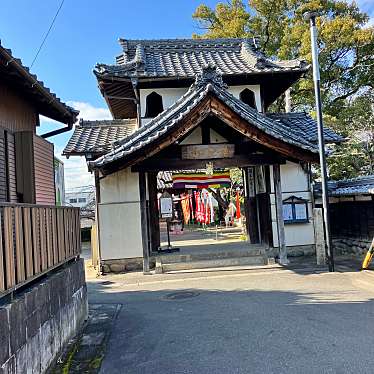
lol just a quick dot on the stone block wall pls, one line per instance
(294, 251)
(355, 246)
(35, 325)
(124, 265)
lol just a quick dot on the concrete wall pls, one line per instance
(294, 182)
(119, 214)
(36, 325)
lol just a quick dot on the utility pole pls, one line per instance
(311, 17)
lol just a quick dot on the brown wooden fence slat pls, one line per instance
(71, 228)
(9, 248)
(20, 248)
(54, 236)
(43, 239)
(2, 272)
(36, 240)
(68, 227)
(61, 236)
(76, 232)
(49, 228)
(27, 227)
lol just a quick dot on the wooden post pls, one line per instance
(280, 222)
(153, 212)
(97, 223)
(143, 220)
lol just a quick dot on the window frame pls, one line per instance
(148, 100)
(293, 201)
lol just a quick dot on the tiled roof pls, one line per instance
(348, 187)
(96, 137)
(306, 125)
(207, 82)
(186, 57)
(13, 68)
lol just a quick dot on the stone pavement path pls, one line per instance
(86, 351)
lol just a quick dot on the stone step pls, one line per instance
(162, 267)
(209, 255)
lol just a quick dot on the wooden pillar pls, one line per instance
(143, 220)
(154, 222)
(97, 223)
(280, 222)
(251, 206)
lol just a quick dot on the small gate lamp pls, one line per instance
(311, 17)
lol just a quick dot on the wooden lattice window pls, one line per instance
(295, 210)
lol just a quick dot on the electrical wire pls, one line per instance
(47, 33)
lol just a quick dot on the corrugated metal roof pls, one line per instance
(186, 58)
(207, 82)
(96, 137)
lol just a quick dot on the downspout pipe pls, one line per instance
(58, 131)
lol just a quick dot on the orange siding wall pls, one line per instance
(44, 172)
(16, 113)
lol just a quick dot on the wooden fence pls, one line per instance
(35, 239)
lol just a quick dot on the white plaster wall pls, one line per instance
(294, 181)
(216, 138)
(119, 214)
(119, 187)
(171, 95)
(235, 90)
(196, 137)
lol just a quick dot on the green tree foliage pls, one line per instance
(346, 44)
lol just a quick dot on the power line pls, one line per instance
(46, 35)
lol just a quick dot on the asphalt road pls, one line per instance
(274, 321)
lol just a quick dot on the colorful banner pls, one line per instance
(201, 180)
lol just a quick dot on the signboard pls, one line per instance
(295, 210)
(287, 212)
(166, 205)
(301, 212)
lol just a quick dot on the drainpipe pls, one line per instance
(58, 131)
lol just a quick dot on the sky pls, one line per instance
(86, 32)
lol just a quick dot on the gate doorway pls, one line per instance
(225, 223)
